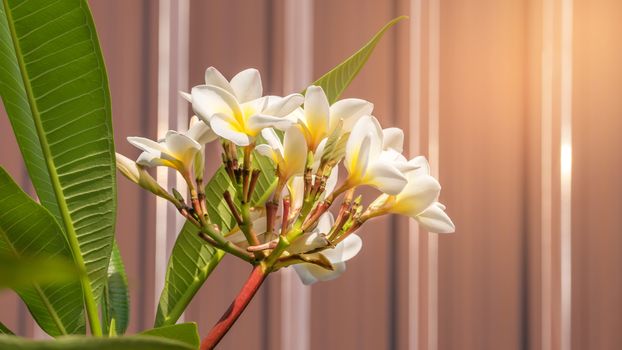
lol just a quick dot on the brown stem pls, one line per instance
(235, 309)
(271, 209)
(253, 183)
(285, 223)
(232, 208)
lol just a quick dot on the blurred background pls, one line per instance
(516, 104)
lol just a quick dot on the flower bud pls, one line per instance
(178, 195)
(137, 174)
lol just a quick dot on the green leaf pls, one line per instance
(116, 295)
(5, 330)
(55, 90)
(28, 230)
(337, 79)
(185, 332)
(17, 272)
(192, 260)
(135, 342)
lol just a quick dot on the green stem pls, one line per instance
(247, 225)
(89, 298)
(226, 245)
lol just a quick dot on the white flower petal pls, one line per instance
(420, 192)
(222, 126)
(273, 140)
(182, 147)
(375, 147)
(208, 100)
(255, 106)
(305, 274)
(295, 151)
(317, 155)
(260, 121)
(267, 151)
(200, 132)
(282, 106)
(367, 125)
(392, 155)
(150, 160)
(214, 77)
(310, 273)
(345, 250)
(398, 160)
(357, 157)
(308, 242)
(420, 165)
(146, 145)
(349, 110)
(296, 192)
(316, 112)
(325, 223)
(247, 85)
(331, 182)
(434, 219)
(393, 138)
(385, 177)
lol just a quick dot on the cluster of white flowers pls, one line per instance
(306, 138)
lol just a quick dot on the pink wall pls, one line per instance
(489, 91)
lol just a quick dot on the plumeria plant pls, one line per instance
(277, 200)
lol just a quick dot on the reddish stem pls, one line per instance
(236, 308)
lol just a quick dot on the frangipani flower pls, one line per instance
(139, 175)
(367, 163)
(177, 150)
(344, 251)
(318, 119)
(290, 157)
(419, 200)
(236, 110)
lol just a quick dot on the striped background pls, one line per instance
(517, 105)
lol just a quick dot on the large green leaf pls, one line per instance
(4, 329)
(17, 272)
(116, 295)
(337, 79)
(135, 342)
(55, 90)
(192, 260)
(185, 332)
(28, 230)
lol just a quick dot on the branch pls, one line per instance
(236, 308)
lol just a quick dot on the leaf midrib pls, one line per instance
(49, 161)
(44, 299)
